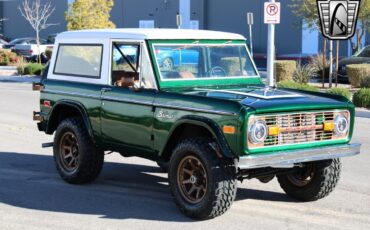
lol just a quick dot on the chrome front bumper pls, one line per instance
(287, 159)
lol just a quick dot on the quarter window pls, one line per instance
(79, 60)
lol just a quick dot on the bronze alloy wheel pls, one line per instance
(192, 179)
(68, 149)
(303, 177)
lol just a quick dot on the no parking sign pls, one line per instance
(272, 12)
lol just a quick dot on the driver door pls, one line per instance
(127, 104)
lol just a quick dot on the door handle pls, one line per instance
(106, 89)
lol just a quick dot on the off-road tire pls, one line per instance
(89, 157)
(326, 177)
(221, 182)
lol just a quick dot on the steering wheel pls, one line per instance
(217, 71)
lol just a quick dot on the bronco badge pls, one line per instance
(338, 18)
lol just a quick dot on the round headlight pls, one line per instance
(340, 124)
(258, 132)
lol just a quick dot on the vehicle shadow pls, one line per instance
(123, 191)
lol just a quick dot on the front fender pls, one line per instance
(211, 126)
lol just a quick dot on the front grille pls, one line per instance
(297, 128)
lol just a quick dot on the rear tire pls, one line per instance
(77, 159)
(203, 185)
(317, 180)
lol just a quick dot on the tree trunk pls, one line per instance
(38, 47)
(359, 34)
(324, 64)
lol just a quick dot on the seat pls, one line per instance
(124, 79)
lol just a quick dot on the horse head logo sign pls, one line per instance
(338, 18)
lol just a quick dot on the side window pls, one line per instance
(79, 60)
(125, 57)
(125, 64)
(131, 66)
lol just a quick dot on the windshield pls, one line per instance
(365, 52)
(203, 61)
(17, 41)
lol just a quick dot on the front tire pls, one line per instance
(203, 185)
(77, 159)
(315, 181)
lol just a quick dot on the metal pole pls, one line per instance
(331, 63)
(270, 53)
(336, 65)
(250, 22)
(178, 21)
(251, 39)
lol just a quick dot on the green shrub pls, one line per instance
(21, 65)
(303, 73)
(362, 98)
(365, 82)
(318, 63)
(340, 91)
(295, 85)
(7, 57)
(33, 69)
(357, 73)
(4, 59)
(285, 70)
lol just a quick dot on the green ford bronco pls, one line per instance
(194, 102)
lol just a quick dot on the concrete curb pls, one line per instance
(361, 112)
(8, 68)
(20, 79)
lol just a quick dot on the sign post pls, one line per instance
(250, 24)
(178, 21)
(271, 17)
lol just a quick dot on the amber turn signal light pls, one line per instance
(274, 131)
(229, 129)
(328, 126)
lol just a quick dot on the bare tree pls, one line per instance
(37, 14)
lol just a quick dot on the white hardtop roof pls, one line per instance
(141, 34)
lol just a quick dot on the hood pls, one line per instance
(265, 100)
(353, 60)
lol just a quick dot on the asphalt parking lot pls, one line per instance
(132, 193)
